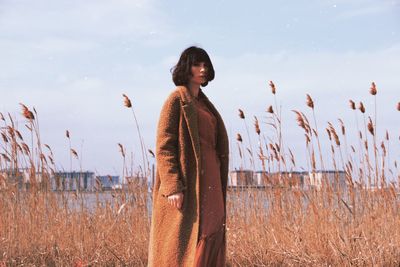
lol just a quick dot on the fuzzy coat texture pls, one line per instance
(173, 232)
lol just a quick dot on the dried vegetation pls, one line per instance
(357, 224)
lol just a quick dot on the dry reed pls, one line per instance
(282, 224)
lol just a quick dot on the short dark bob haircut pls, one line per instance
(182, 71)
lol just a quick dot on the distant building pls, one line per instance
(297, 179)
(260, 178)
(336, 179)
(241, 178)
(135, 181)
(108, 182)
(24, 178)
(286, 179)
(294, 179)
(71, 181)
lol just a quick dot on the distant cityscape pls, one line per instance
(63, 181)
(87, 181)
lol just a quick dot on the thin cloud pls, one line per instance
(82, 19)
(356, 9)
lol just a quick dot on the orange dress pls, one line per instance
(211, 243)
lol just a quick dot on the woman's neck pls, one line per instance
(194, 89)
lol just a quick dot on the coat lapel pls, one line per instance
(190, 114)
(222, 139)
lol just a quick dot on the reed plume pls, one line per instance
(277, 124)
(121, 149)
(367, 159)
(309, 101)
(241, 152)
(257, 126)
(27, 113)
(370, 126)
(70, 147)
(242, 116)
(5, 139)
(361, 107)
(124, 167)
(239, 137)
(25, 148)
(74, 153)
(146, 164)
(19, 135)
(334, 134)
(300, 120)
(127, 101)
(5, 157)
(151, 153)
(352, 104)
(272, 85)
(372, 89)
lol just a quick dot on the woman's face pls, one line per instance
(199, 73)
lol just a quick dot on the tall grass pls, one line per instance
(280, 225)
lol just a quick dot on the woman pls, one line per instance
(189, 194)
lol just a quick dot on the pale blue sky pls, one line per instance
(72, 60)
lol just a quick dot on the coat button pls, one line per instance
(202, 172)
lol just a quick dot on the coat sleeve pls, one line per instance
(167, 148)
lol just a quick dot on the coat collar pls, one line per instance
(186, 95)
(190, 115)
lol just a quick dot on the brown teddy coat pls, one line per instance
(173, 232)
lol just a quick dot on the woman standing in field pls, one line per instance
(189, 194)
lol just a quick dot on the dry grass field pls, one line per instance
(280, 225)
